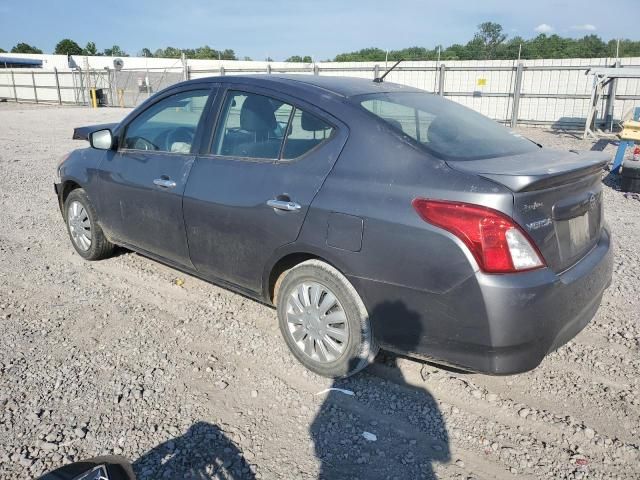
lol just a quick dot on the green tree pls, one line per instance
(25, 48)
(627, 48)
(228, 54)
(509, 50)
(169, 52)
(591, 46)
(413, 53)
(371, 54)
(453, 52)
(205, 52)
(2, 50)
(115, 51)
(145, 52)
(90, 49)
(487, 40)
(299, 59)
(66, 46)
(490, 42)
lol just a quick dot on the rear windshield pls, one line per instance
(443, 127)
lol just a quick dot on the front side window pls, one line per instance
(305, 133)
(445, 128)
(251, 126)
(168, 125)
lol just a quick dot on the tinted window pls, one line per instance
(251, 126)
(306, 131)
(169, 125)
(447, 129)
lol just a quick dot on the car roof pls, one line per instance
(341, 86)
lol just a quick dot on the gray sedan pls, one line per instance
(369, 214)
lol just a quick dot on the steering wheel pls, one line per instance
(180, 134)
(141, 143)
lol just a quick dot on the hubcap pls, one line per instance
(79, 226)
(317, 322)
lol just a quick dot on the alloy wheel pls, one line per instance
(79, 225)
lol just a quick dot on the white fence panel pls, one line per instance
(552, 92)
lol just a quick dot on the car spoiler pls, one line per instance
(82, 133)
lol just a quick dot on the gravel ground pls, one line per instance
(193, 381)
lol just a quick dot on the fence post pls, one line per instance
(188, 72)
(222, 70)
(185, 70)
(33, 82)
(13, 82)
(147, 81)
(109, 76)
(376, 71)
(55, 72)
(611, 100)
(269, 68)
(441, 73)
(515, 109)
(316, 69)
(84, 95)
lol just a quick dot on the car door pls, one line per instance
(143, 181)
(249, 193)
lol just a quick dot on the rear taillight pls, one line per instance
(498, 244)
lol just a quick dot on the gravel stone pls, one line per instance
(111, 357)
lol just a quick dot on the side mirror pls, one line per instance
(101, 139)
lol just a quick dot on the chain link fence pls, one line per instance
(131, 87)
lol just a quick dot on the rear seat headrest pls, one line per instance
(257, 114)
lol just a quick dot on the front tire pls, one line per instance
(324, 321)
(84, 231)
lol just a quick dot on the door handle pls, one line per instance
(285, 205)
(164, 183)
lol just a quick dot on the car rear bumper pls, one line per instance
(496, 324)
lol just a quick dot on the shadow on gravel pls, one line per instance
(603, 143)
(203, 452)
(612, 180)
(410, 432)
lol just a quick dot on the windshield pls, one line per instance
(443, 127)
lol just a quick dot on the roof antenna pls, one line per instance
(381, 79)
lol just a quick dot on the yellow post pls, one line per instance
(94, 99)
(630, 130)
(121, 97)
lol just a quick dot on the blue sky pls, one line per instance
(321, 28)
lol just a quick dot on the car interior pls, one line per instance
(262, 125)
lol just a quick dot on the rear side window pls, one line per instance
(251, 126)
(305, 133)
(445, 128)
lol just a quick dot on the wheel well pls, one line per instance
(284, 264)
(68, 187)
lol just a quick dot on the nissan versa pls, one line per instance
(370, 214)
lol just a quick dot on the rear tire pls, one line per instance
(82, 225)
(324, 321)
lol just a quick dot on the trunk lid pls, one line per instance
(557, 198)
